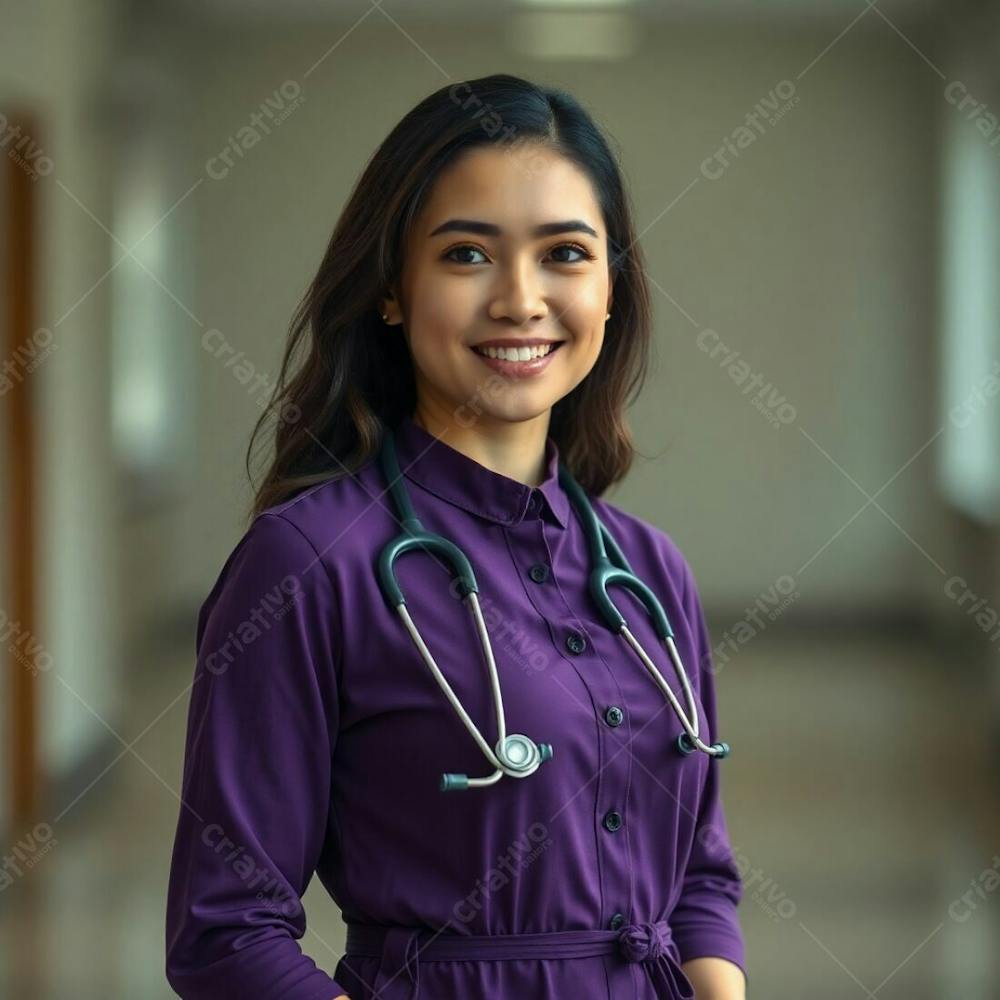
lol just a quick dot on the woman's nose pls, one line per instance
(520, 294)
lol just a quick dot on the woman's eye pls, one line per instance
(465, 248)
(584, 253)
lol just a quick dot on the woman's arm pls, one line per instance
(262, 725)
(705, 920)
(714, 979)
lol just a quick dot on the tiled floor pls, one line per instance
(860, 797)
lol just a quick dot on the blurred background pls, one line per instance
(817, 185)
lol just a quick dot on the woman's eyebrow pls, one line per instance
(489, 229)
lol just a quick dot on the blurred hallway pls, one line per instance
(842, 255)
(847, 774)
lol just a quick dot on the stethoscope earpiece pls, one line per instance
(686, 746)
(517, 755)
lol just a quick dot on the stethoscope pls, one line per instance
(515, 754)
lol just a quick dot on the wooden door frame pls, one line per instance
(20, 284)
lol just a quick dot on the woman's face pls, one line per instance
(479, 269)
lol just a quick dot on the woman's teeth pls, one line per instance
(516, 353)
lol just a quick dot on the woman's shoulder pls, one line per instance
(658, 560)
(334, 515)
(634, 534)
(301, 538)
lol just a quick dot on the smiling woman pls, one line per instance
(484, 258)
(492, 213)
(482, 308)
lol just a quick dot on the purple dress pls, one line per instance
(317, 737)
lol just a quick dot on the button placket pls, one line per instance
(591, 654)
(611, 802)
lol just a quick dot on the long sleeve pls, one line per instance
(261, 728)
(705, 921)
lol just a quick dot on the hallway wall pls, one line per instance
(818, 270)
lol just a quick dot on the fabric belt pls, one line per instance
(402, 949)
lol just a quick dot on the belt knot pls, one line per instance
(643, 942)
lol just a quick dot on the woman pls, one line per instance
(493, 217)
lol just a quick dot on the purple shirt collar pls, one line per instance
(453, 476)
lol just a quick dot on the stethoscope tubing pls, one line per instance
(517, 755)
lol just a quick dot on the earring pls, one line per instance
(385, 317)
(606, 318)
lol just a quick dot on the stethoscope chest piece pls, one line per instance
(521, 755)
(517, 755)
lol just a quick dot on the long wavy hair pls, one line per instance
(344, 381)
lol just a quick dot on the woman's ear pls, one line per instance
(389, 308)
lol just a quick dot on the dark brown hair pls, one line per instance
(344, 380)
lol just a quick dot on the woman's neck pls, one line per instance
(515, 449)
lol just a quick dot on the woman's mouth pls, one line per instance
(518, 362)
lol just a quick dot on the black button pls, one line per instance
(613, 716)
(616, 921)
(613, 820)
(575, 642)
(533, 504)
(539, 572)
